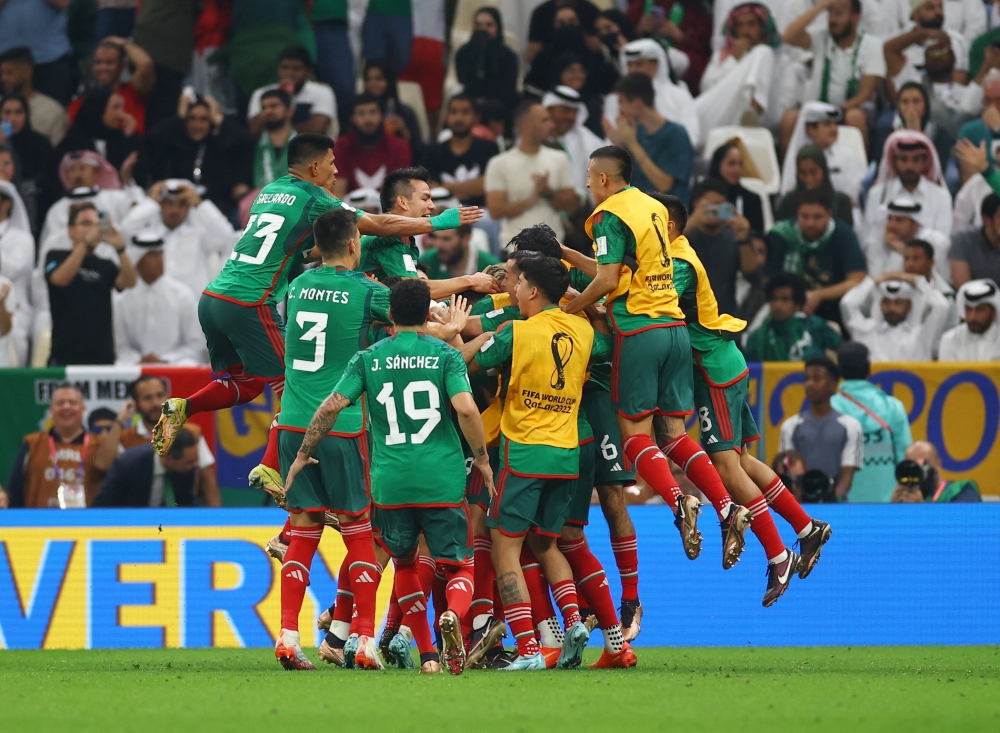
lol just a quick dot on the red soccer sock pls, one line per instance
(425, 568)
(363, 570)
(538, 588)
(440, 598)
(270, 458)
(286, 529)
(783, 502)
(295, 573)
(220, 394)
(413, 602)
(343, 608)
(485, 576)
(459, 583)
(521, 626)
(394, 614)
(626, 551)
(591, 581)
(698, 466)
(763, 526)
(565, 594)
(654, 468)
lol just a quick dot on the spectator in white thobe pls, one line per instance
(978, 338)
(885, 250)
(569, 117)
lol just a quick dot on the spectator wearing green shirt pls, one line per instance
(452, 257)
(334, 60)
(387, 33)
(788, 333)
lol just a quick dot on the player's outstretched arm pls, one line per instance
(477, 281)
(603, 283)
(390, 225)
(322, 420)
(471, 424)
(586, 265)
(471, 348)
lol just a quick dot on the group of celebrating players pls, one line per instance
(569, 373)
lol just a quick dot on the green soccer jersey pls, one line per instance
(389, 256)
(409, 381)
(437, 270)
(330, 310)
(279, 232)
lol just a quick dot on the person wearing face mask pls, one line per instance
(615, 30)
(486, 68)
(568, 36)
(366, 154)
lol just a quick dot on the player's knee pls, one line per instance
(571, 533)
(612, 498)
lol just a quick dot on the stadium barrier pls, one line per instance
(107, 578)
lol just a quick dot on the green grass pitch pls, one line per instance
(838, 689)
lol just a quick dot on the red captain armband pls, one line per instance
(598, 217)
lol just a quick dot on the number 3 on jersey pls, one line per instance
(431, 413)
(268, 226)
(318, 334)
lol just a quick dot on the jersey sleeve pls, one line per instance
(352, 383)
(493, 320)
(854, 448)
(392, 259)
(498, 349)
(610, 235)
(684, 276)
(456, 374)
(379, 305)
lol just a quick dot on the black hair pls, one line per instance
(296, 53)
(854, 359)
(827, 363)
(421, 267)
(101, 413)
(388, 72)
(547, 274)
(134, 387)
(926, 246)
(409, 302)
(787, 280)
(391, 281)
(76, 209)
(24, 105)
(621, 20)
(637, 86)
(280, 94)
(927, 102)
(720, 155)
(523, 110)
(675, 207)
(333, 230)
(856, 7)
(67, 385)
(498, 19)
(709, 184)
(461, 98)
(816, 196)
(185, 439)
(520, 255)
(18, 55)
(613, 152)
(989, 206)
(491, 110)
(307, 147)
(538, 238)
(366, 98)
(397, 183)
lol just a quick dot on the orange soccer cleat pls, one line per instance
(622, 660)
(551, 654)
(288, 651)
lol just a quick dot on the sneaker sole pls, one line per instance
(807, 567)
(289, 663)
(361, 661)
(628, 633)
(476, 654)
(454, 648)
(735, 541)
(572, 651)
(161, 441)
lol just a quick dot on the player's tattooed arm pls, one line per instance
(322, 420)
(510, 593)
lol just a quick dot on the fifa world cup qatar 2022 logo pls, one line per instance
(661, 230)
(562, 352)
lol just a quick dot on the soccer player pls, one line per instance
(406, 192)
(418, 471)
(651, 368)
(238, 310)
(544, 361)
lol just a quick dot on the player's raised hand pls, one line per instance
(470, 214)
(458, 313)
(298, 464)
(483, 283)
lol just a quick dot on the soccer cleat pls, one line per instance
(811, 545)
(526, 664)
(497, 658)
(387, 636)
(398, 652)
(590, 622)
(575, 642)
(551, 654)
(483, 639)
(631, 616)
(454, 646)
(289, 653)
(430, 667)
(622, 660)
(269, 481)
(367, 656)
(331, 521)
(734, 527)
(350, 651)
(277, 549)
(779, 575)
(686, 521)
(173, 415)
(330, 655)
(324, 620)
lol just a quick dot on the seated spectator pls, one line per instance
(569, 131)
(530, 184)
(883, 419)
(790, 467)
(459, 163)
(156, 322)
(47, 116)
(542, 29)
(17, 246)
(673, 101)
(884, 251)
(975, 253)
(486, 68)
(817, 123)
(312, 102)
(905, 54)
(80, 283)
(813, 173)
(570, 72)
(952, 103)
(826, 439)
(662, 154)
(140, 478)
(400, 119)
(107, 66)
(787, 332)
(366, 154)
(978, 338)
(730, 163)
(721, 239)
(270, 159)
(365, 199)
(614, 29)
(41, 26)
(852, 65)
(978, 176)
(986, 128)
(14, 325)
(819, 248)
(685, 25)
(915, 110)
(920, 479)
(569, 37)
(452, 257)
(133, 427)
(201, 145)
(909, 167)
(919, 260)
(736, 87)
(197, 237)
(907, 316)
(54, 467)
(982, 43)
(33, 150)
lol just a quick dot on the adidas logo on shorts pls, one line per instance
(616, 467)
(711, 440)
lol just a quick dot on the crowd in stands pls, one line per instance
(838, 157)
